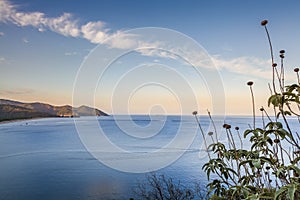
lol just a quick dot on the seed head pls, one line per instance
(268, 167)
(250, 83)
(282, 51)
(261, 109)
(195, 113)
(237, 128)
(276, 141)
(227, 126)
(274, 64)
(210, 133)
(281, 56)
(296, 152)
(296, 70)
(264, 22)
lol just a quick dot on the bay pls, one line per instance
(46, 158)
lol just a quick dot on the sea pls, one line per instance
(107, 157)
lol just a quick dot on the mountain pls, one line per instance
(10, 110)
(88, 111)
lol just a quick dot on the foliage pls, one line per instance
(267, 170)
(159, 187)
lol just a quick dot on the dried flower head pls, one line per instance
(296, 152)
(281, 56)
(274, 64)
(296, 70)
(261, 109)
(195, 113)
(237, 128)
(268, 167)
(210, 133)
(227, 126)
(276, 141)
(250, 83)
(282, 51)
(264, 22)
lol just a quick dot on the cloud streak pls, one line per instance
(245, 65)
(2, 60)
(97, 32)
(94, 32)
(17, 91)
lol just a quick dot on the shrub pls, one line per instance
(267, 170)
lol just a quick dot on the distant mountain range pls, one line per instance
(10, 110)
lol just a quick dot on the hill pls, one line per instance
(10, 110)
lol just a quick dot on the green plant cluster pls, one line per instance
(270, 169)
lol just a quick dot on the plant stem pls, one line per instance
(213, 123)
(203, 135)
(272, 57)
(253, 106)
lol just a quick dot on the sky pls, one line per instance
(159, 57)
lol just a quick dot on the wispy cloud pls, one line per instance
(245, 65)
(97, 32)
(2, 60)
(17, 91)
(1, 34)
(63, 24)
(71, 53)
(25, 40)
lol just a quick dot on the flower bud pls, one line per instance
(264, 22)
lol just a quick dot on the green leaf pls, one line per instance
(280, 192)
(256, 163)
(296, 160)
(295, 168)
(275, 100)
(244, 162)
(247, 132)
(267, 160)
(291, 191)
(282, 133)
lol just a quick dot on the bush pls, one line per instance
(267, 170)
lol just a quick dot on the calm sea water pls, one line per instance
(45, 158)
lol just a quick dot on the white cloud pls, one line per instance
(71, 53)
(96, 32)
(25, 40)
(245, 65)
(123, 40)
(2, 60)
(1, 34)
(63, 24)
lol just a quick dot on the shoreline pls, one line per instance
(28, 119)
(20, 120)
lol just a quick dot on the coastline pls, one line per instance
(17, 120)
(20, 120)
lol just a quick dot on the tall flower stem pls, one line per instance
(250, 83)
(264, 23)
(213, 123)
(203, 135)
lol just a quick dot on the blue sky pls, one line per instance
(43, 45)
